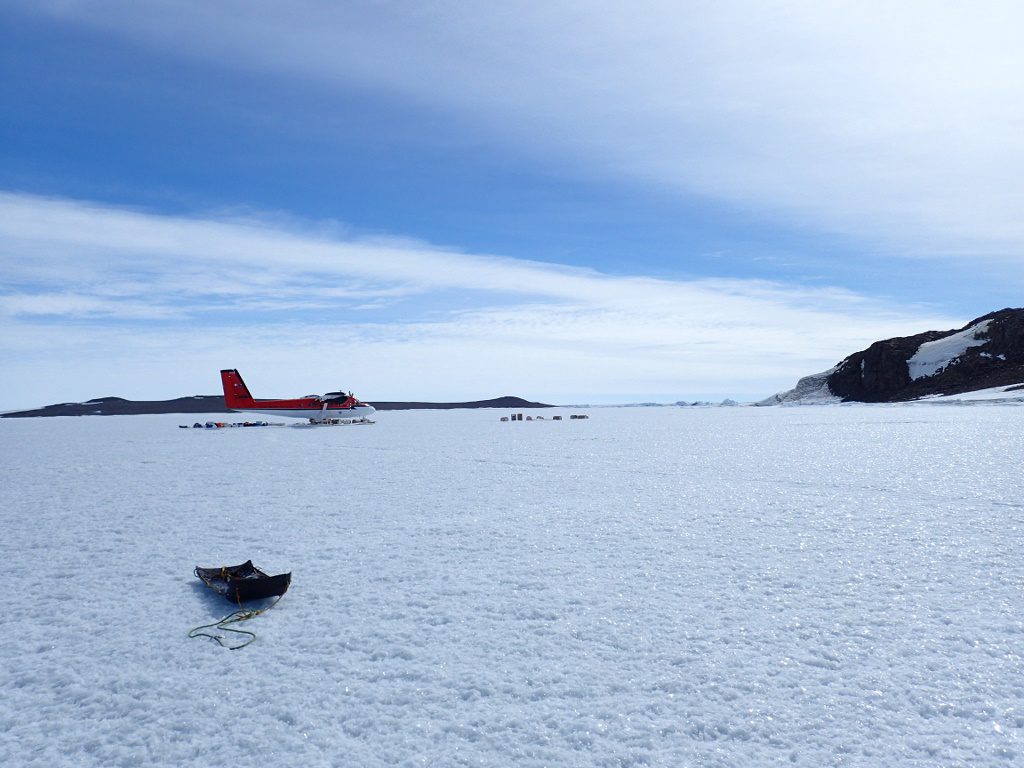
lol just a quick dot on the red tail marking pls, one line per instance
(236, 394)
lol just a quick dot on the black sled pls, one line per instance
(245, 582)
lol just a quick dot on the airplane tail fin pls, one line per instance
(236, 394)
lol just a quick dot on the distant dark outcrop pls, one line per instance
(498, 402)
(987, 352)
(118, 406)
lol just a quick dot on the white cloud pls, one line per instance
(191, 295)
(72, 305)
(900, 123)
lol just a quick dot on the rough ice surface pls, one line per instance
(820, 586)
(932, 356)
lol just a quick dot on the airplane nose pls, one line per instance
(371, 409)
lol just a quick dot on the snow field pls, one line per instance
(716, 587)
(933, 356)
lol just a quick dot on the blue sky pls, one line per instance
(574, 202)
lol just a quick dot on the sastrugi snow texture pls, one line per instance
(817, 586)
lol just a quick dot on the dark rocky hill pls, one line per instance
(987, 352)
(507, 401)
(118, 406)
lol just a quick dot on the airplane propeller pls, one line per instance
(327, 399)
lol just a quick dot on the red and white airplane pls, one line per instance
(317, 408)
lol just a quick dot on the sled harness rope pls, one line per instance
(242, 614)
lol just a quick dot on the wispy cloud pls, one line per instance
(151, 305)
(898, 123)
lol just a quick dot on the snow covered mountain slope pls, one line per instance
(933, 357)
(986, 353)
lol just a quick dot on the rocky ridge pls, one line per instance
(985, 353)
